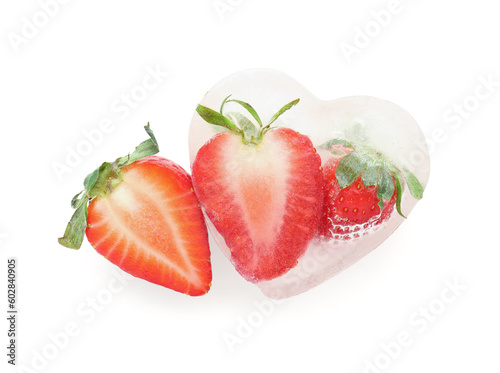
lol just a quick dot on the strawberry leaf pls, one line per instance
(91, 179)
(385, 184)
(375, 169)
(399, 192)
(217, 119)
(99, 183)
(282, 110)
(223, 103)
(75, 202)
(349, 169)
(144, 149)
(249, 129)
(416, 189)
(380, 202)
(75, 230)
(250, 109)
(370, 175)
(327, 145)
(245, 127)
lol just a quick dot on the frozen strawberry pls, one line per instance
(143, 216)
(262, 188)
(362, 190)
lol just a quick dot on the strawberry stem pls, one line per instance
(100, 183)
(241, 125)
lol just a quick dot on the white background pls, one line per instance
(66, 75)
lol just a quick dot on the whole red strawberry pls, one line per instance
(362, 190)
(262, 188)
(143, 216)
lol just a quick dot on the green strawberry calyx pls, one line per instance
(375, 170)
(100, 183)
(239, 124)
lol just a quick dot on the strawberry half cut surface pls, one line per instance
(143, 216)
(262, 189)
(362, 190)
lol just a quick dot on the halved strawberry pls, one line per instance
(262, 188)
(144, 217)
(361, 191)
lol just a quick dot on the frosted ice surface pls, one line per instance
(379, 124)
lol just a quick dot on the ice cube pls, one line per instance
(378, 124)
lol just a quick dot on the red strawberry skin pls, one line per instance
(350, 211)
(152, 227)
(265, 199)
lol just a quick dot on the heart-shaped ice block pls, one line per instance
(376, 123)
